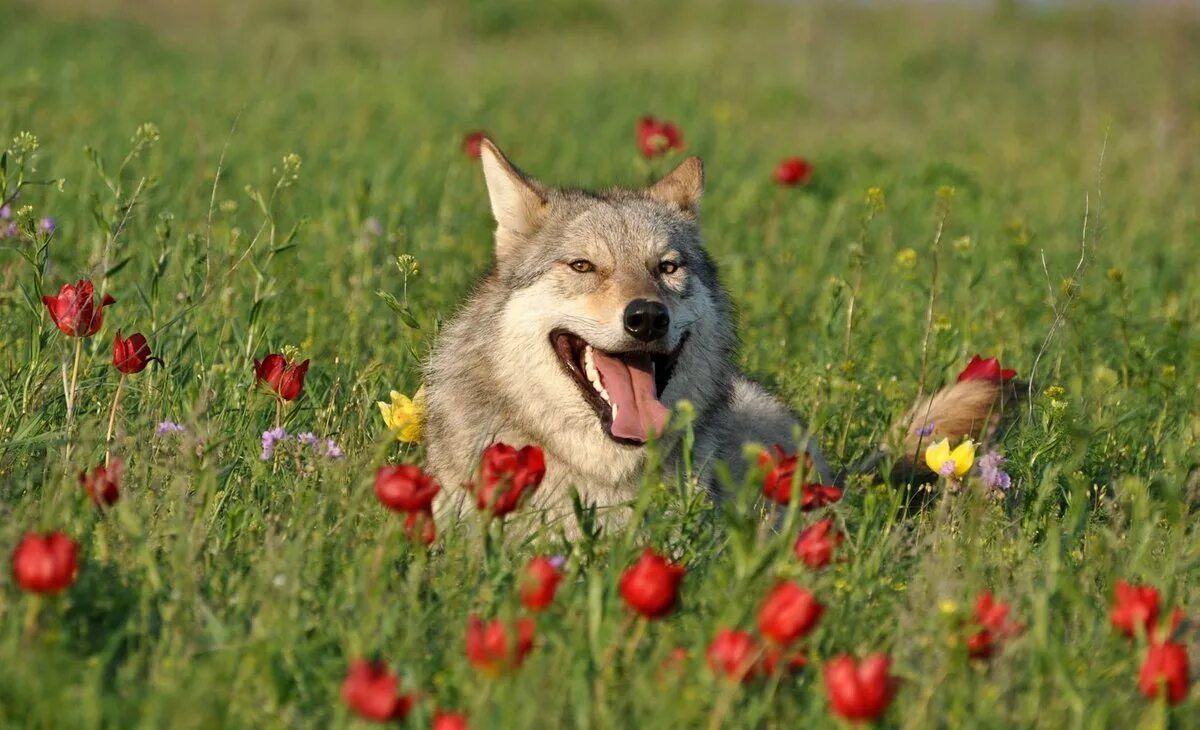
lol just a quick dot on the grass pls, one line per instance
(225, 591)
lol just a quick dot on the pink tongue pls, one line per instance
(629, 381)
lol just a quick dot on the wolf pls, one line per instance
(601, 313)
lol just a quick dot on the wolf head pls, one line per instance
(611, 312)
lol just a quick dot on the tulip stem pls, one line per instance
(278, 411)
(112, 419)
(74, 379)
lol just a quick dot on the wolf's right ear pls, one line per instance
(518, 202)
(682, 187)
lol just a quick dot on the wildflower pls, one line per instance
(1134, 606)
(655, 137)
(47, 226)
(166, 428)
(992, 618)
(281, 375)
(778, 482)
(449, 721)
(793, 171)
(372, 227)
(815, 544)
(419, 527)
(74, 310)
(991, 471)
(495, 647)
(777, 660)
(926, 430)
(309, 439)
(404, 415)
(859, 691)
(131, 355)
(949, 463)
(370, 690)
(505, 475)
(732, 654)
(539, 583)
(45, 563)
(271, 439)
(5, 212)
(986, 369)
(651, 585)
(405, 488)
(103, 485)
(332, 450)
(788, 613)
(1165, 666)
(906, 258)
(472, 144)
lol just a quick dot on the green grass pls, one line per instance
(224, 591)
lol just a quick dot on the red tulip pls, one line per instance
(45, 563)
(655, 136)
(1166, 664)
(506, 474)
(370, 690)
(281, 375)
(778, 482)
(132, 355)
(74, 310)
(651, 585)
(103, 485)
(1134, 606)
(405, 488)
(859, 691)
(449, 721)
(793, 171)
(732, 654)
(788, 614)
(494, 647)
(539, 584)
(989, 369)
(472, 142)
(815, 544)
(419, 527)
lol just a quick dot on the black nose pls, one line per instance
(646, 320)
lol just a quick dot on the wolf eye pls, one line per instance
(667, 267)
(583, 266)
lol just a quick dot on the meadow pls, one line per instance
(242, 177)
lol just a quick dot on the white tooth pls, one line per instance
(614, 411)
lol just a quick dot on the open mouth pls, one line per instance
(623, 387)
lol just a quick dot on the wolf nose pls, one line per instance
(646, 320)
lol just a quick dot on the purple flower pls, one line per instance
(309, 439)
(947, 469)
(558, 561)
(47, 225)
(9, 231)
(166, 428)
(991, 471)
(925, 430)
(373, 227)
(5, 212)
(270, 439)
(332, 450)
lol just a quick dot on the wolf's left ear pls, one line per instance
(518, 202)
(682, 187)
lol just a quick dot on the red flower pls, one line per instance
(370, 690)
(655, 136)
(674, 665)
(505, 475)
(1134, 606)
(281, 375)
(989, 369)
(405, 488)
(494, 647)
(816, 543)
(992, 618)
(789, 613)
(103, 485)
(132, 355)
(732, 654)
(859, 690)
(540, 582)
(793, 171)
(74, 310)
(651, 585)
(420, 528)
(778, 660)
(45, 563)
(1166, 664)
(778, 482)
(449, 721)
(472, 142)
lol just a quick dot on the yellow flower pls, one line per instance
(955, 463)
(404, 415)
